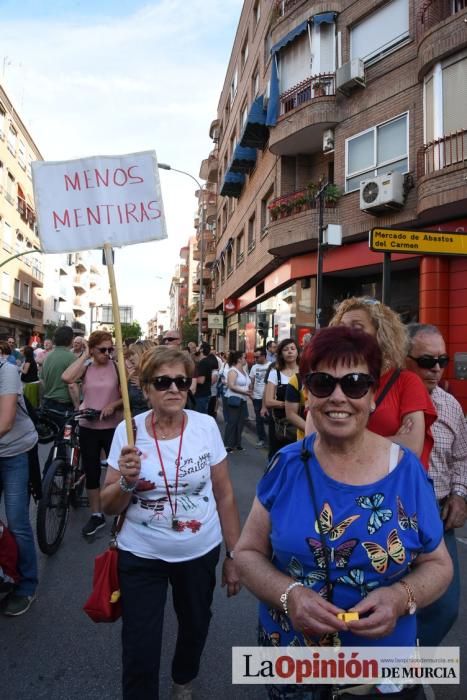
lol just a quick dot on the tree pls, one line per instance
(132, 330)
(189, 329)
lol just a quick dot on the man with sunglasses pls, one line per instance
(171, 339)
(448, 468)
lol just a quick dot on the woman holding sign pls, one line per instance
(179, 502)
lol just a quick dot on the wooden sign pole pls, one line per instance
(119, 343)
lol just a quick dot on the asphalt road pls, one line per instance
(56, 652)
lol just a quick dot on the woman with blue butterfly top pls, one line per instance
(345, 520)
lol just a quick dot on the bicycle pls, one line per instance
(47, 427)
(63, 483)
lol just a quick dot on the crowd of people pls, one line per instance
(363, 444)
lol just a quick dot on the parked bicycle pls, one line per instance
(63, 483)
(46, 424)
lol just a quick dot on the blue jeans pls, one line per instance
(14, 476)
(260, 429)
(202, 403)
(435, 621)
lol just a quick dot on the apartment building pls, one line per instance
(21, 300)
(371, 98)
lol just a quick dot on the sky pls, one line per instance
(108, 77)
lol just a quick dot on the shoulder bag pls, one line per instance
(104, 605)
(283, 428)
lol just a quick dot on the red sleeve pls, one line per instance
(415, 397)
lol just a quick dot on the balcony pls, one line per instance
(80, 262)
(183, 270)
(209, 301)
(80, 282)
(213, 166)
(295, 231)
(304, 112)
(441, 167)
(444, 33)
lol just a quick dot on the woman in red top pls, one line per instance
(406, 411)
(101, 391)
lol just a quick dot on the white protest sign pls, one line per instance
(85, 203)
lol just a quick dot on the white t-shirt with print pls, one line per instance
(147, 531)
(258, 373)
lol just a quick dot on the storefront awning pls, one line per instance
(232, 185)
(324, 18)
(255, 133)
(243, 160)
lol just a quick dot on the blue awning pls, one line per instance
(243, 160)
(324, 18)
(233, 184)
(291, 36)
(255, 133)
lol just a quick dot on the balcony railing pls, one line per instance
(321, 85)
(450, 149)
(434, 11)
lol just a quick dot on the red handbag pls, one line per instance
(103, 605)
(8, 559)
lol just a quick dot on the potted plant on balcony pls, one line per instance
(319, 88)
(300, 203)
(332, 194)
(274, 210)
(285, 208)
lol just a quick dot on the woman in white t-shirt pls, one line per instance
(237, 392)
(274, 395)
(180, 504)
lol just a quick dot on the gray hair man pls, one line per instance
(448, 468)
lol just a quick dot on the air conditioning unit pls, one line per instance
(328, 140)
(350, 75)
(381, 193)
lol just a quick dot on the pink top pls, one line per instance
(101, 387)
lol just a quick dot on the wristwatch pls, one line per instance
(458, 492)
(411, 607)
(229, 553)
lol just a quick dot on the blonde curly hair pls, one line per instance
(391, 333)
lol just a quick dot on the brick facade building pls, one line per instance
(371, 92)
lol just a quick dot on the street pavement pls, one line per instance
(56, 652)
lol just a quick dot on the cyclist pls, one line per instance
(100, 390)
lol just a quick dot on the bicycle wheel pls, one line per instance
(53, 508)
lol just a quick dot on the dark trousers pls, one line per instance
(234, 426)
(260, 430)
(143, 586)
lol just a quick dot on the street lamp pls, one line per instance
(165, 166)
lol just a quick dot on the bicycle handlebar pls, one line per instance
(88, 413)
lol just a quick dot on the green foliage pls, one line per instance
(131, 330)
(50, 329)
(189, 327)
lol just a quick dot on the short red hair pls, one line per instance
(341, 344)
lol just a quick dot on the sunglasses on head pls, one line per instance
(103, 350)
(354, 385)
(429, 361)
(169, 340)
(164, 383)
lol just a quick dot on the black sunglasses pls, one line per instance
(103, 350)
(429, 361)
(169, 340)
(164, 383)
(354, 385)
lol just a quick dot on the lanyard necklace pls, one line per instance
(173, 508)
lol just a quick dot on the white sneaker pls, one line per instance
(259, 444)
(182, 692)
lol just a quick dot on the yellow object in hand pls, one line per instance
(348, 616)
(115, 596)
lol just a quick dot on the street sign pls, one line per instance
(216, 321)
(387, 240)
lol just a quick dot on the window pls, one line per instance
(2, 123)
(257, 11)
(240, 252)
(26, 295)
(243, 116)
(222, 266)
(377, 151)
(6, 286)
(295, 63)
(10, 194)
(234, 85)
(381, 31)
(251, 232)
(12, 140)
(265, 213)
(225, 217)
(244, 54)
(22, 154)
(56, 304)
(255, 83)
(7, 237)
(17, 292)
(229, 261)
